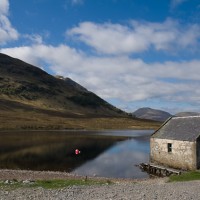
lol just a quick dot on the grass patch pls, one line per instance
(54, 184)
(188, 176)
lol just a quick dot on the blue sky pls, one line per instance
(132, 53)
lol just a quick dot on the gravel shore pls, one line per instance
(122, 189)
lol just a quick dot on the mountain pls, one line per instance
(30, 85)
(152, 114)
(30, 98)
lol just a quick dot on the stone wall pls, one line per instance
(183, 155)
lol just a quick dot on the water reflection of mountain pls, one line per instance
(50, 150)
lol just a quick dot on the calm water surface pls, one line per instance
(103, 153)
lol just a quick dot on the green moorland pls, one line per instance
(33, 119)
(188, 176)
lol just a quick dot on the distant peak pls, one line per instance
(153, 114)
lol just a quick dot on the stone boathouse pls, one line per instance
(176, 143)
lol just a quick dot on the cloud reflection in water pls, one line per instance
(119, 161)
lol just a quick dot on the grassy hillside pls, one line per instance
(32, 99)
(15, 115)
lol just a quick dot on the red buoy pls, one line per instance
(77, 152)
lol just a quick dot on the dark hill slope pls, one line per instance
(30, 85)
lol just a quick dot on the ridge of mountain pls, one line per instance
(27, 84)
(72, 83)
(151, 114)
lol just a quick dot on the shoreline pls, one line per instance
(133, 128)
(81, 129)
(21, 175)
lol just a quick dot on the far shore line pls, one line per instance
(68, 130)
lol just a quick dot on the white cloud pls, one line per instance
(109, 38)
(118, 77)
(7, 32)
(52, 56)
(137, 37)
(4, 7)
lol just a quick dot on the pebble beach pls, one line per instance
(120, 189)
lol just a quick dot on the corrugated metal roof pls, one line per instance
(179, 128)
